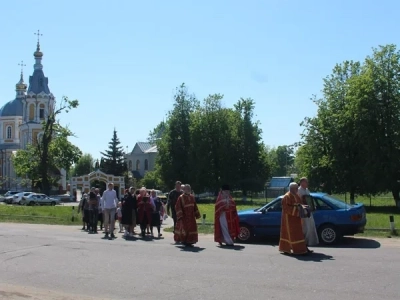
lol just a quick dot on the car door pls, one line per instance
(323, 213)
(270, 220)
(40, 199)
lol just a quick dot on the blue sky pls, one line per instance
(123, 59)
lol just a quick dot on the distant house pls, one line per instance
(142, 159)
(278, 186)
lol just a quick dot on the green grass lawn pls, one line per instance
(52, 215)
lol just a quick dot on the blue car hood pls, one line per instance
(246, 212)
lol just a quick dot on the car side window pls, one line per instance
(321, 205)
(277, 207)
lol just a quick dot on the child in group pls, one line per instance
(119, 215)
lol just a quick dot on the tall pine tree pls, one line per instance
(112, 161)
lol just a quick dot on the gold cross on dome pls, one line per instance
(38, 35)
(22, 66)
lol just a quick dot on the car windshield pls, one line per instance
(268, 205)
(335, 202)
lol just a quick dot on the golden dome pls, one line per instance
(21, 86)
(38, 53)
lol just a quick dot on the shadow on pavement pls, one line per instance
(315, 257)
(346, 242)
(361, 243)
(194, 249)
(234, 247)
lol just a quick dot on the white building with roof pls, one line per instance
(21, 120)
(142, 159)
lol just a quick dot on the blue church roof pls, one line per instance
(12, 108)
(38, 82)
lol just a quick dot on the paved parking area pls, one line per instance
(61, 263)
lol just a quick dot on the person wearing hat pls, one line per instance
(226, 221)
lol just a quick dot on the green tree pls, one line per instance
(83, 166)
(252, 166)
(378, 95)
(42, 160)
(174, 146)
(156, 133)
(152, 180)
(113, 161)
(26, 164)
(214, 136)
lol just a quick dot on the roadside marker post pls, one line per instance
(73, 214)
(392, 227)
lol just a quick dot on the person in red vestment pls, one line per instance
(226, 221)
(145, 211)
(292, 237)
(142, 194)
(186, 214)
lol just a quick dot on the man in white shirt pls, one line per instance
(109, 206)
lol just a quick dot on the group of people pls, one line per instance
(298, 230)
(184, 211)
(139, 207)
(143, 207)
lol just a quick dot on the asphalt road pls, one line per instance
(39, 262)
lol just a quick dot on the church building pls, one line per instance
(21, 120)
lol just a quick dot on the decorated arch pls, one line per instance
(83, 182)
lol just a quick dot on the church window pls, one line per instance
(146, 164)
(31, 112)
(137, 165)
(41, 111)
(130, 165)
(9, 132)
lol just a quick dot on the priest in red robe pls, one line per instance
(292, 237)
(186, 214)
(226, 221)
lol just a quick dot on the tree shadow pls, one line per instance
(314, 257)
(194, 249)
(234, 247)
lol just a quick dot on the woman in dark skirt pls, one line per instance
(127, 210)
(157, 213)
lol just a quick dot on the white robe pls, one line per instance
(225, 230)
(309, 229)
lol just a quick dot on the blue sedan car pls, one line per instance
(333, 219)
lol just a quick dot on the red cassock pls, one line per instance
(186, 214)
(229, 207)
(144, 208)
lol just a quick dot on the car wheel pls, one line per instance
(328, 234)
(245, 233)
(53, 203)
